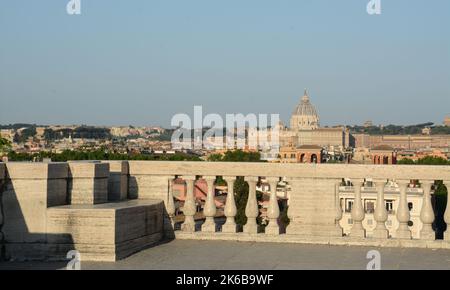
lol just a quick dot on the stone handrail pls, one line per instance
(325, 171)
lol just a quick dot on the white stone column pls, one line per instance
(358, 213)
(210, 206)
(403, 215)
(338, 208)
(189, 208)
(426, 213)
(251, 210)
(169, 222)
(380, 214)
(273, 212)
(447, 211)
(230, 206)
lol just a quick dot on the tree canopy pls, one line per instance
(429, 160)
(5, 145)
(236, 156)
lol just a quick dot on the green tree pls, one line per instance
(236, 156)
(215, 157)
(440, 195)
(100, 154)
(406, 161)
(241, 190)
(5, 146)
(241, 197)
(429, 160)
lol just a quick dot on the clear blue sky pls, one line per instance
(139, 62)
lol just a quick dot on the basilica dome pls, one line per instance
(305, 116)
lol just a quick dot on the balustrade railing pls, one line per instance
(315, 207)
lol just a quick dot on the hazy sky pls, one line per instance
(139, 62)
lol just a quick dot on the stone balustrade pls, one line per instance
(314, 199)
(109, 210)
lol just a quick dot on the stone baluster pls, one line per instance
(190, 207)
(403, 215)
(230, 206)
(210, 206)
(380, 214)
(447, 211)
(170, 204)
(338, 209)
(426, 213)
(358, 213)
(251, 209)
(273, 212)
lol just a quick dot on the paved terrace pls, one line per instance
(228, 255)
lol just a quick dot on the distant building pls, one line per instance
(426, 131)
(383, 155)
(420, 154)
(392, 197)
(447, 121)
(305, 129)
(368, 124)
(301, 154)
(402, 142)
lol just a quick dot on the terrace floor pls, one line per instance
(228, 255)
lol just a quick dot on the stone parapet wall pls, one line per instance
(118, 180)
(30, 189)
(88, 182)
(49, 209)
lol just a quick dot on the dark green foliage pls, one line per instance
(284, 219)
(429, 160)
(406, 161)
(400, 130)
(18, 126)
(98, 155)
(85, 132)
(164, 136)
(440, 196)
(25, 134)
(236, 156)
(5, 145)
(241, 197)
(241, 190)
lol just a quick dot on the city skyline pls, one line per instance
(140, 64)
